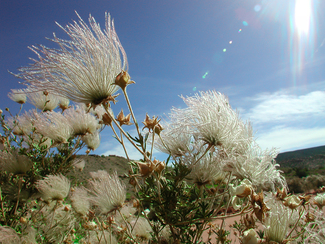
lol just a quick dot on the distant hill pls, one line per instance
(310, 158)
(93, 163)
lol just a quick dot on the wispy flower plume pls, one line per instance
(17, 96)
(55, 126)
(42, 99)
(84, 68)
(108, 192)
(212, 120)
(53, 187)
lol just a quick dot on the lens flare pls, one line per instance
(302, 37)
(239, 30)
(224, 50)
(206, 73)
(303, 11)
(257, 8)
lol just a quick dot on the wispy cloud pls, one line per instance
(291, 138)
(110, 146)
(282, 106)
(286, 120)
(117, 149)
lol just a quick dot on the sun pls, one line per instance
(303, 12)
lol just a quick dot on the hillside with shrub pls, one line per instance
(304, 169)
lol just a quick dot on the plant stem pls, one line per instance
(295, 226)
(205, 152)
(153, 140)
(2, 208)
(122, 142)
(126, 135)
(131, 110)
(20, 181)
(127, 226)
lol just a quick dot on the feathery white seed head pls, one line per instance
(80, 200)
(278, 219)
(55, 126)
(18, 96)
(22, 124)
(92, 140)
(107, 192)
(84, 68)
(81, 121)
(42, 100)
(53, 187)
(141, 229)
(79, 164)
(13, 162)
(211, 119)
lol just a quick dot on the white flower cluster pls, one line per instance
(209, 123)
(58, 127)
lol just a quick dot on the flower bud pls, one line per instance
(123, 80)
(292, 202)
(158, 128)
(23, 220)
(319, 200)
(159, 166)
(242, 190)
(122, 119)
(133, 182)
(310, 217)
(250, 237)
(145, 169)
(107, 119)
(151, 124)
(66, 208)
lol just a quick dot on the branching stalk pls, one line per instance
(131, 111)
(125, 151)
(126, 135)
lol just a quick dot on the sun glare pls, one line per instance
(303, 11)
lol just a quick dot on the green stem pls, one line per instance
(2, 208)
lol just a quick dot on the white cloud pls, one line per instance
(282, 106)
(291, 138)
(117, 149)
(110, 146)
(288, 121)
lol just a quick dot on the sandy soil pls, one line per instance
(228, 221)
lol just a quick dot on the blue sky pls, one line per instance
(267, 56)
